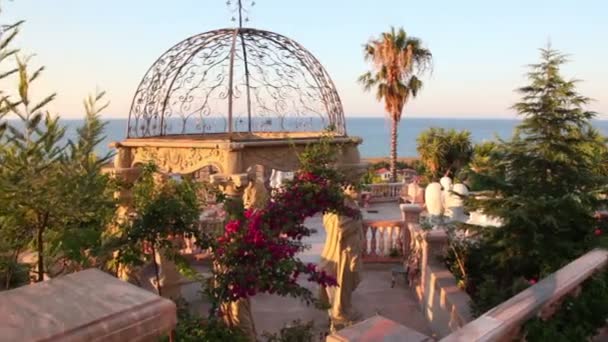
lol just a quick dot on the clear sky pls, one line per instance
(480, 47)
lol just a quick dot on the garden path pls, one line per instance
(373, 296)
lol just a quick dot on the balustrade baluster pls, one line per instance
(397, 241)
(389, 240)
(364, 242)
(406, 240)
(381, 246)
(373, 241)
(368, 240)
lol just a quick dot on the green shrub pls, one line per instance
(193, 328)
(13, 274)
(443, 151)
(294, 332)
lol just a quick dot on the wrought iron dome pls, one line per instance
(235, 80)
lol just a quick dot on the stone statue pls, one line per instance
(255, 195)
(454, 203)
(341, 258)
(415, 194)
(433, 199)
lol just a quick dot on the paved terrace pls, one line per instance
(373, 296)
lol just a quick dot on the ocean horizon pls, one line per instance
(375, 131)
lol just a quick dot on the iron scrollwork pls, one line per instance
(235, 80)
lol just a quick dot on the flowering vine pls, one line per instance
(257, 250)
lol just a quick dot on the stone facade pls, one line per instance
(228, 154)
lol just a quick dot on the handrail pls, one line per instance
(385, 191)
(504, 319)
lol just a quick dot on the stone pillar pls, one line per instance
(433, 245)
(410, 213)
(126, 175)
(233, 163)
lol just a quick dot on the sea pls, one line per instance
(375, 132)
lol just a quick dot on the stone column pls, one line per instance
(126, 175)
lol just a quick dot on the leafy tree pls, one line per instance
(398, 60)
(550, 187)
(443, 151)
(54, 200)
(483, 160)
(89, 194)
(163, 210)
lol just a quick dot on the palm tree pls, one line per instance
(397, 61)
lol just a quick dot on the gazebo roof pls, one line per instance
(235, 80)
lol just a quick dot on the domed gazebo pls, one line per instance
(231, 99)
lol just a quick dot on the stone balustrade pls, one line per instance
(385, 241)
(504, 321)
(385, 192)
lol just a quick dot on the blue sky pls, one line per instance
(480, 48)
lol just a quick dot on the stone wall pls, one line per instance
(443, 303)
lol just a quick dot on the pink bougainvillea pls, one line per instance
(257, 251)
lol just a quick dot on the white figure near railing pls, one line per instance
(478, 218)
(414, 193)
(433, 199)
(278, 177)
(454, 203)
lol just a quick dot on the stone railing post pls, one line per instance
(434, 243)
(410, 213)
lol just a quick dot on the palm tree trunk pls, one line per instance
(393, 158)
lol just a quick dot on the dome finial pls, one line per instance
(240, 10)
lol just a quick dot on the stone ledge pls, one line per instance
(84, 306)
(501, 321)
(377, 329)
